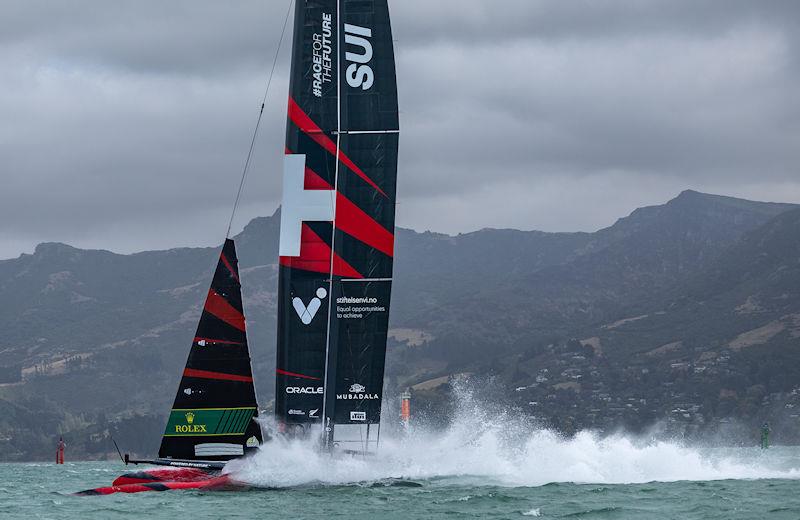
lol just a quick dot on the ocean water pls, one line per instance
(488, 472)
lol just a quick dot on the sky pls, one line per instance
(124, 125)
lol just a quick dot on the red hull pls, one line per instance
(165, 475)
(166, 480)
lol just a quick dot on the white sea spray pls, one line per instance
(487, 446)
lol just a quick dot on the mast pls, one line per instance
(337, 225)
(330, 373)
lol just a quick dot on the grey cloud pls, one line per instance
(173, 38)
(124, 124)
(584, 20)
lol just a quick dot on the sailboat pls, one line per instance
(336, 264)
(213, 417)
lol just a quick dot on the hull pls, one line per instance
(221, 483)
(160, 480)
(165, 475)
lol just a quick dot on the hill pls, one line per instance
(686, 312)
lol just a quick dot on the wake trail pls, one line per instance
(497, 448)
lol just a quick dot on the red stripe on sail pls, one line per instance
(343, 269)
(310, 128)
(292, 374)
(225, 261)
(219, 307)
(204, 374)
(355, 222)
(314, 182)
(315, 256)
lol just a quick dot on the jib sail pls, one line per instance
(214, 411)
(337, 221)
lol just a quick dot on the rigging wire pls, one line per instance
(258, 121)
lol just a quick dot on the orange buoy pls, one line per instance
(405, 409)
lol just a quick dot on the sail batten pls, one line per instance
(334, 295)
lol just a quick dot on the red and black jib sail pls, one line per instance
(213, 418)
(337, 221)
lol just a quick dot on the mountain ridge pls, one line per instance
(90, 334)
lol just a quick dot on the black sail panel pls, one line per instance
(369, 80)
(361, 325)
(213, 416)
(306, 228)
(365, 227)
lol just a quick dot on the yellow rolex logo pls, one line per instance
(208, 421)
(190, 427)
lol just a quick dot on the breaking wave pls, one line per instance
(489, 447)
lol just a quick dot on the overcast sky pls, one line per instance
(124, 124)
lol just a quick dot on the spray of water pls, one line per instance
(486, 446)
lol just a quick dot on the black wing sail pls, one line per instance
(337, 226)
(213, 418)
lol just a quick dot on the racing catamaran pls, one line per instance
(336, 264)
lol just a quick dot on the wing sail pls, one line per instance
(338, 220)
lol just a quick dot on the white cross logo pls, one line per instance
(300, 205)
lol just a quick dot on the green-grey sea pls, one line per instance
(542, 476)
